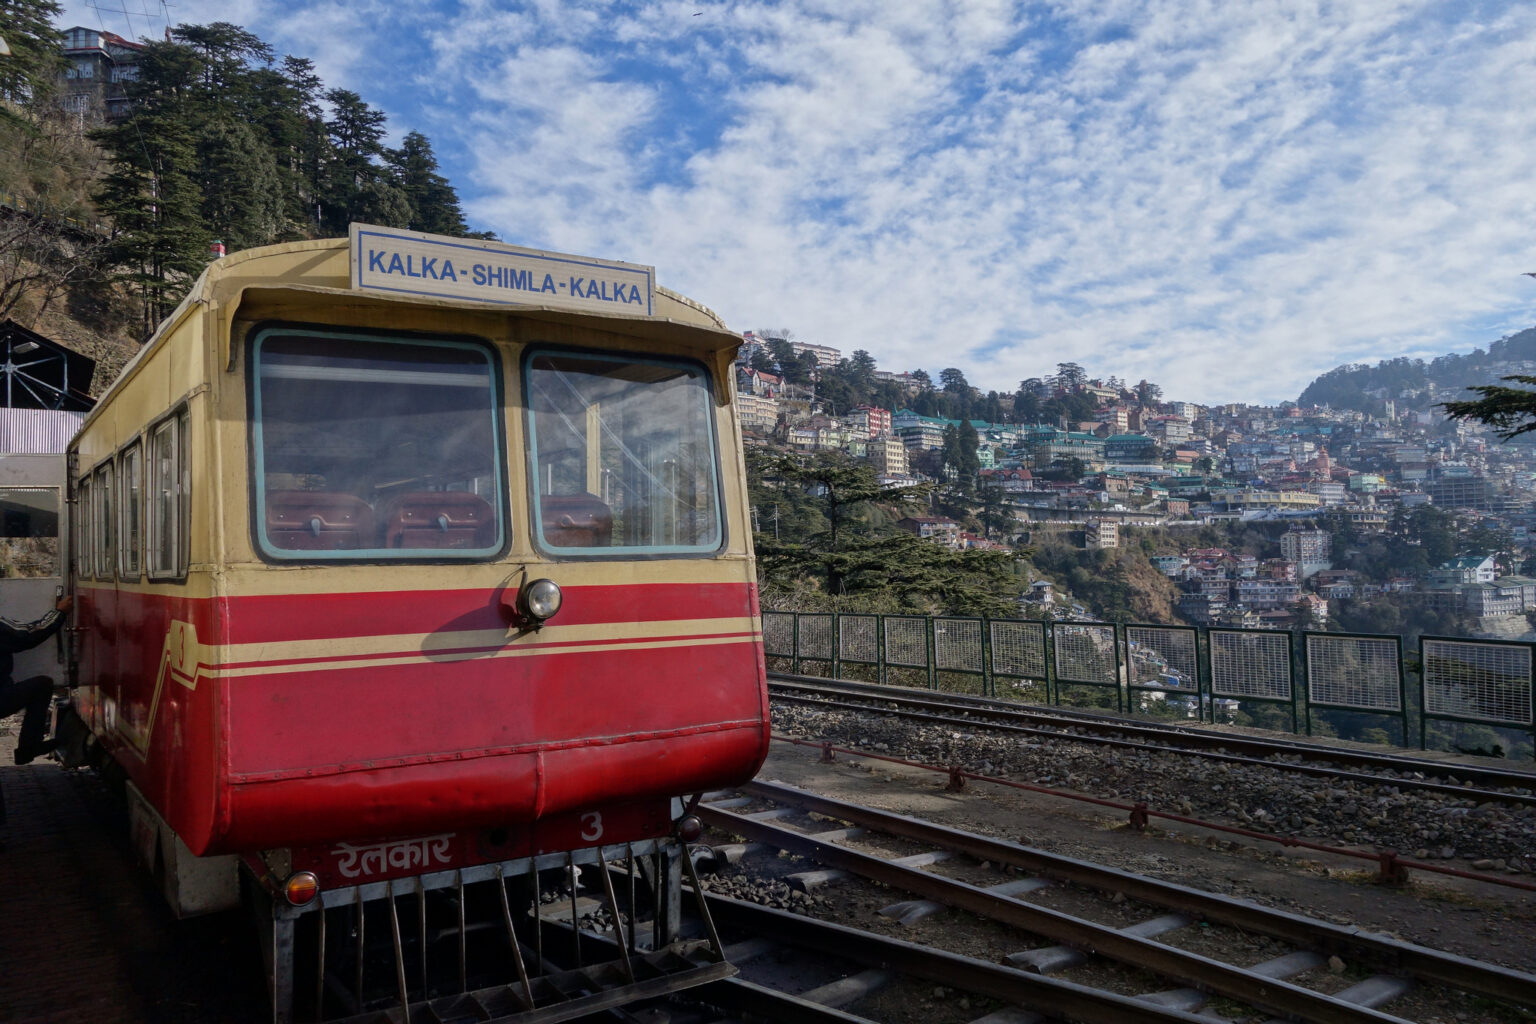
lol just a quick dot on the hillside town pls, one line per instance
(1332, 479)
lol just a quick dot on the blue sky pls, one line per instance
(1224, 197)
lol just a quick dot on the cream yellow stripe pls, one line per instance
(445, 659)
(417, 645)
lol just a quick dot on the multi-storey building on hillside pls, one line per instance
(758, 414)
(1132, 448)
(1304, 546)
(1462, 492)
(825, 355)
(926, 435)
(888, 456)
(93, 86)
(876, 422)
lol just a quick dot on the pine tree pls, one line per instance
(970, 463)
(226, 54)
(952, 454)
(856, 556)
(152, 193)
(299, 140)
(27, 75)
(357, 188)
(220, 143)
(242, 201)
(994, 511)
(1510, 411)
(434, 203)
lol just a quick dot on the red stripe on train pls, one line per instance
(285, 617)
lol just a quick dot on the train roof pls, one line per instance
(322, 267)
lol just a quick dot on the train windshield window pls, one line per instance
(624, 455)
(376, 448)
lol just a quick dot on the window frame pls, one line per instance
(531, 468)
(81, 528)
(177, 423)
(500, 498)
(103, 528)
(130, 543)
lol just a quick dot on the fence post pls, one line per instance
(795, 633)
(1423, 698)
(1208, 687)
(837, 645)
(1052, 684)
(1122, 670)
(1306, 676)
(987, 686)
(932, 643)
(880, 673)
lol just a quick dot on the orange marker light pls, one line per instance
(301, 887)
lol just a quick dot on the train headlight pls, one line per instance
(301, 887)
(541, 600)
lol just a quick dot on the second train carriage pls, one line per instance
(376, 578)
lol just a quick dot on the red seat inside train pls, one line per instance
(576, 520)
(439, 519)
(319, 521)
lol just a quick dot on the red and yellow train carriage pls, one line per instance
(400, 556)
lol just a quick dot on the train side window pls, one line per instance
(169, 500)
(82, 545)
(130, 509)
(374, 447)
(104, 550)
(624, 455)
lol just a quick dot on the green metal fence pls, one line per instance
(1358, 684)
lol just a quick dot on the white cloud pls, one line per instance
(1225, 197)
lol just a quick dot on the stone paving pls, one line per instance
(84, 936)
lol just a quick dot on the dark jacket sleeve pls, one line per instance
(23, 636)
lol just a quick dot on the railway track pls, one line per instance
(1065, 939)
(1474, 782)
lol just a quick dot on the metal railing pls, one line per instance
(37, 208)
(1449, 693)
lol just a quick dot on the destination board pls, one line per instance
(413, 263)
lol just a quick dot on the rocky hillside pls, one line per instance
(90, 317)
(1120, 585)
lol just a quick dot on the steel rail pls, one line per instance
(1051, 996)
(1378, 951)
(1180, 739)
(1444, 788)
(1190, 969)
(738, 995)
(1392, 867)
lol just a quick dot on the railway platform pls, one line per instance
(84, 936)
